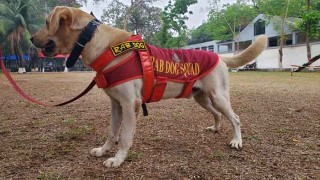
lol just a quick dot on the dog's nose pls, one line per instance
(31, 39)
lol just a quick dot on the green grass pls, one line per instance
(132, 156)
(251, 137)
(73, 131)
(218, 154)
(48, 176)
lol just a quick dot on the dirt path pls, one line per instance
(171, 143)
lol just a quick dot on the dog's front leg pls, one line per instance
(116, 120)
(126, 136)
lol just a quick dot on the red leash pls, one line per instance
(26, 96)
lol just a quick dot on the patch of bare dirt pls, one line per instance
(280, 118)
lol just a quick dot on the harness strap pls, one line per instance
(148, 75)
(102, 60)
(159, 88)
(136, 42)
(187, 89)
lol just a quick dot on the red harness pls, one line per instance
(155, 65)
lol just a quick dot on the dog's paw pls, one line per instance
(213, 129)
(236, 144)
(112, 162)
(97, 152)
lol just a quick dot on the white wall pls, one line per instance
(292, 55)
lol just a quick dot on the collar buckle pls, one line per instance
(96, 22)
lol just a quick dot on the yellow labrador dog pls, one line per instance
(63, 26)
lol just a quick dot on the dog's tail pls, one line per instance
(247, 55)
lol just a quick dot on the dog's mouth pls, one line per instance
(49, 48)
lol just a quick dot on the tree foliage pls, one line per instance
(313, 16)
(175, 14)
(201, 34)
(225, 21)
(140, 17)
(174, 19)
(235, 16)
(291, 8)
(279, 11)
(15, 22)
(21, 18)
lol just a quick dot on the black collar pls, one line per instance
(83, 39)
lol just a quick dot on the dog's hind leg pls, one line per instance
(216, 86)
(116, 119)
(204, 101)
(222, 103)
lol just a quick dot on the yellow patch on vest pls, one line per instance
(127, 45)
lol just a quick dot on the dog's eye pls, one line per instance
(47, 24)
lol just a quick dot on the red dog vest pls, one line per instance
(155, 65)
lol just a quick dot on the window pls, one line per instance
(288, 39)
(204, 48)
(211, 48)
(259, 27)
(244, 45)
(289, 42)
(273, 42)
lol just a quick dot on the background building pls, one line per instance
(294, 51)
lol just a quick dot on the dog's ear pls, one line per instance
(80, 19)
(71, 17)
(60, 16)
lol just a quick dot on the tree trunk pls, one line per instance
(281, 52)
(21, 60)
(238, 47)
(281, 45)
(280, 58)
(17, 57)
(307, 32)
(237, 43)
(125, 22)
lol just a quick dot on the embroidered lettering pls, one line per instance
(116, 50)
(161, 66)
(175, 68)
(128, 45)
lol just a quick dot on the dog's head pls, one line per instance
(63, 26)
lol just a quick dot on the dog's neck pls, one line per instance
(104, 37)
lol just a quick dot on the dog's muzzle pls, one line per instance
(48, 49)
